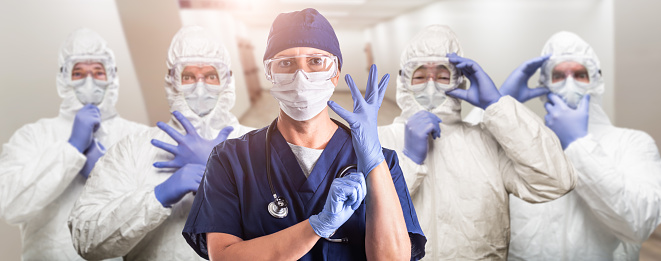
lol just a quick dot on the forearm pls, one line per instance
(288, 244)
(386, 236)
(107, 223)
(31, 184)
(538, 170)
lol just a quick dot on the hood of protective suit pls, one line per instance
(571, 45)
(84, 42)
(433, 41)
(193, 42)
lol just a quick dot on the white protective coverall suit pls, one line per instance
(461, 191)
(616, 204)
(118, 213)
(39, 168)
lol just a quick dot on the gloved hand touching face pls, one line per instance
(419, 128)
(363, 120)
(93, 153)
(344, 197)
(569, 124)
(86, 122)
(516, 84)
(191, 148)
(181, 182)
(482, 92)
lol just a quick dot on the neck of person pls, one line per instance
(313, 133)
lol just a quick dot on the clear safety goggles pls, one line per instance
(74, 76)
(185, 74)
(418, 71)
(282, 70)
(554, 76)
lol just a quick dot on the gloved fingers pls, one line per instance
(530, 67)
(436, 129)
(344, 114)
(584, 104)
(383, 85)
(549, 107)
(167, 164)
(356, 96)
(556, 100)
(178, 137)
(96, 125)
(190, 129)
(360, 179)
(101, 147)
(539, 91)
(223, 134)
(458, 93)
(547, 119)
(165, 146)
(353, 192)
(371, 91)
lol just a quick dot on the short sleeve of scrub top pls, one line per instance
(234, 194)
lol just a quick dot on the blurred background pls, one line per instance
(498, 34)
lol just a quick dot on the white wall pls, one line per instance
(31, 33)
(500, 35)
(637, 46)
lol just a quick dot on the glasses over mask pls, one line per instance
(89, 76)
(571, 77)
(200, 81)
(428, 78)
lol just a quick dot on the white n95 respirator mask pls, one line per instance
(89, 90)
(305, 96)
(430, 94)
(201, 97)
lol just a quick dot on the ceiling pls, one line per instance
(355, 14)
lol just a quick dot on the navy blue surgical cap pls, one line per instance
(306, 28)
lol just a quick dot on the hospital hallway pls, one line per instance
(401, 38)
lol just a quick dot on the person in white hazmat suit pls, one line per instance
(460, 175)
(137, 202)
(617, 203)
(45, 164)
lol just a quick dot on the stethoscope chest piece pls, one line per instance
(278, 208)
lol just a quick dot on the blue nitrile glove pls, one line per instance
(569, 124)
(482, 92)
(87, 121)
(93, 153)
(184, 180)
(344, 197)
(516, 84)
(191, 148)
(362, 121)
(419, 128)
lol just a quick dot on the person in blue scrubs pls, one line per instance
(366, 214)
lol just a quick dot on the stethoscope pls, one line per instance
(278, 208)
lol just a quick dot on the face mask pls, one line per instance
(570, 90)
(305, 97)
(89, 90)
(431, 94)
(201, 98)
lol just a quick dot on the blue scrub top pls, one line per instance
(234, 194)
